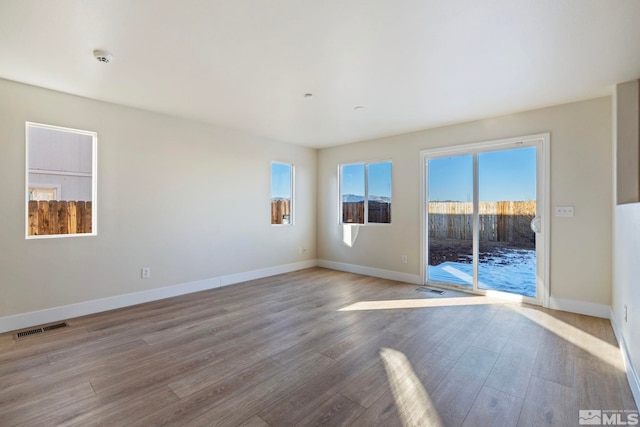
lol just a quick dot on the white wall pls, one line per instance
(626, 237)
(626, 290)
(189, 200)
(581, 176)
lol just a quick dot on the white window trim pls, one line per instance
(292, 206)
(544, 294)
(366, 194)
(94, 181)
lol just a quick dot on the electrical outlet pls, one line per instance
(404, 259)
(146, 272)
(565, 211)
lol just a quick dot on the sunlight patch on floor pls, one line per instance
(597, 347)
(505, 296)
(421, 303)
(412, 400)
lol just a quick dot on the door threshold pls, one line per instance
(484, 292)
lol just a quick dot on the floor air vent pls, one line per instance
(56, 326)
(433, 291)
(40, 330)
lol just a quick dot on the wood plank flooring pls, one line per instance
(315, 347)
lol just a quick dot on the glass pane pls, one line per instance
(60, 181)
(450, 209)
(507, 196)
(281, 193)
(352, 193)
(379, 192)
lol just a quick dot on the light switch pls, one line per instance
(564, 211)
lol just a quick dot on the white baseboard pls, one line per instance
(580, 307)
(573, 306)
(632, 374)
(370, 271)
(265, 272)
(55, 314)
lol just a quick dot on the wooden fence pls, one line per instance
(499, 221)
(47, 217)
(353, 212)
(280, 211)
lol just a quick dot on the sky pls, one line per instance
(503, 175)
(379, 177)
(280, 180)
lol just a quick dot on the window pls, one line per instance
(370, 182)
(44, 192)
(281, 193)
(61, 181)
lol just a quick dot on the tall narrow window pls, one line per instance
(61, 181)
(365, 193)
(352, 193)
(379, 193)
(281, 193)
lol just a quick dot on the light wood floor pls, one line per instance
(315, 347)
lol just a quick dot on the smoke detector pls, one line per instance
(102, 56)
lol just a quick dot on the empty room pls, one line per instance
(340, 213)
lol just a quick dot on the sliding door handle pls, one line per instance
(536, 224)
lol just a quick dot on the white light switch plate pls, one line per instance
(564, 211)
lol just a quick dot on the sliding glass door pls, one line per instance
(483, 225)
(507, 206)
(450, 209)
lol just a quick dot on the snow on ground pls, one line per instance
(509, 270)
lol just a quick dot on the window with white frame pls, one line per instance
(61, 181)
(365, 193)
(281, 193)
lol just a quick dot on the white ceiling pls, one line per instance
(246, 64)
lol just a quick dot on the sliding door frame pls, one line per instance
(543, 208)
